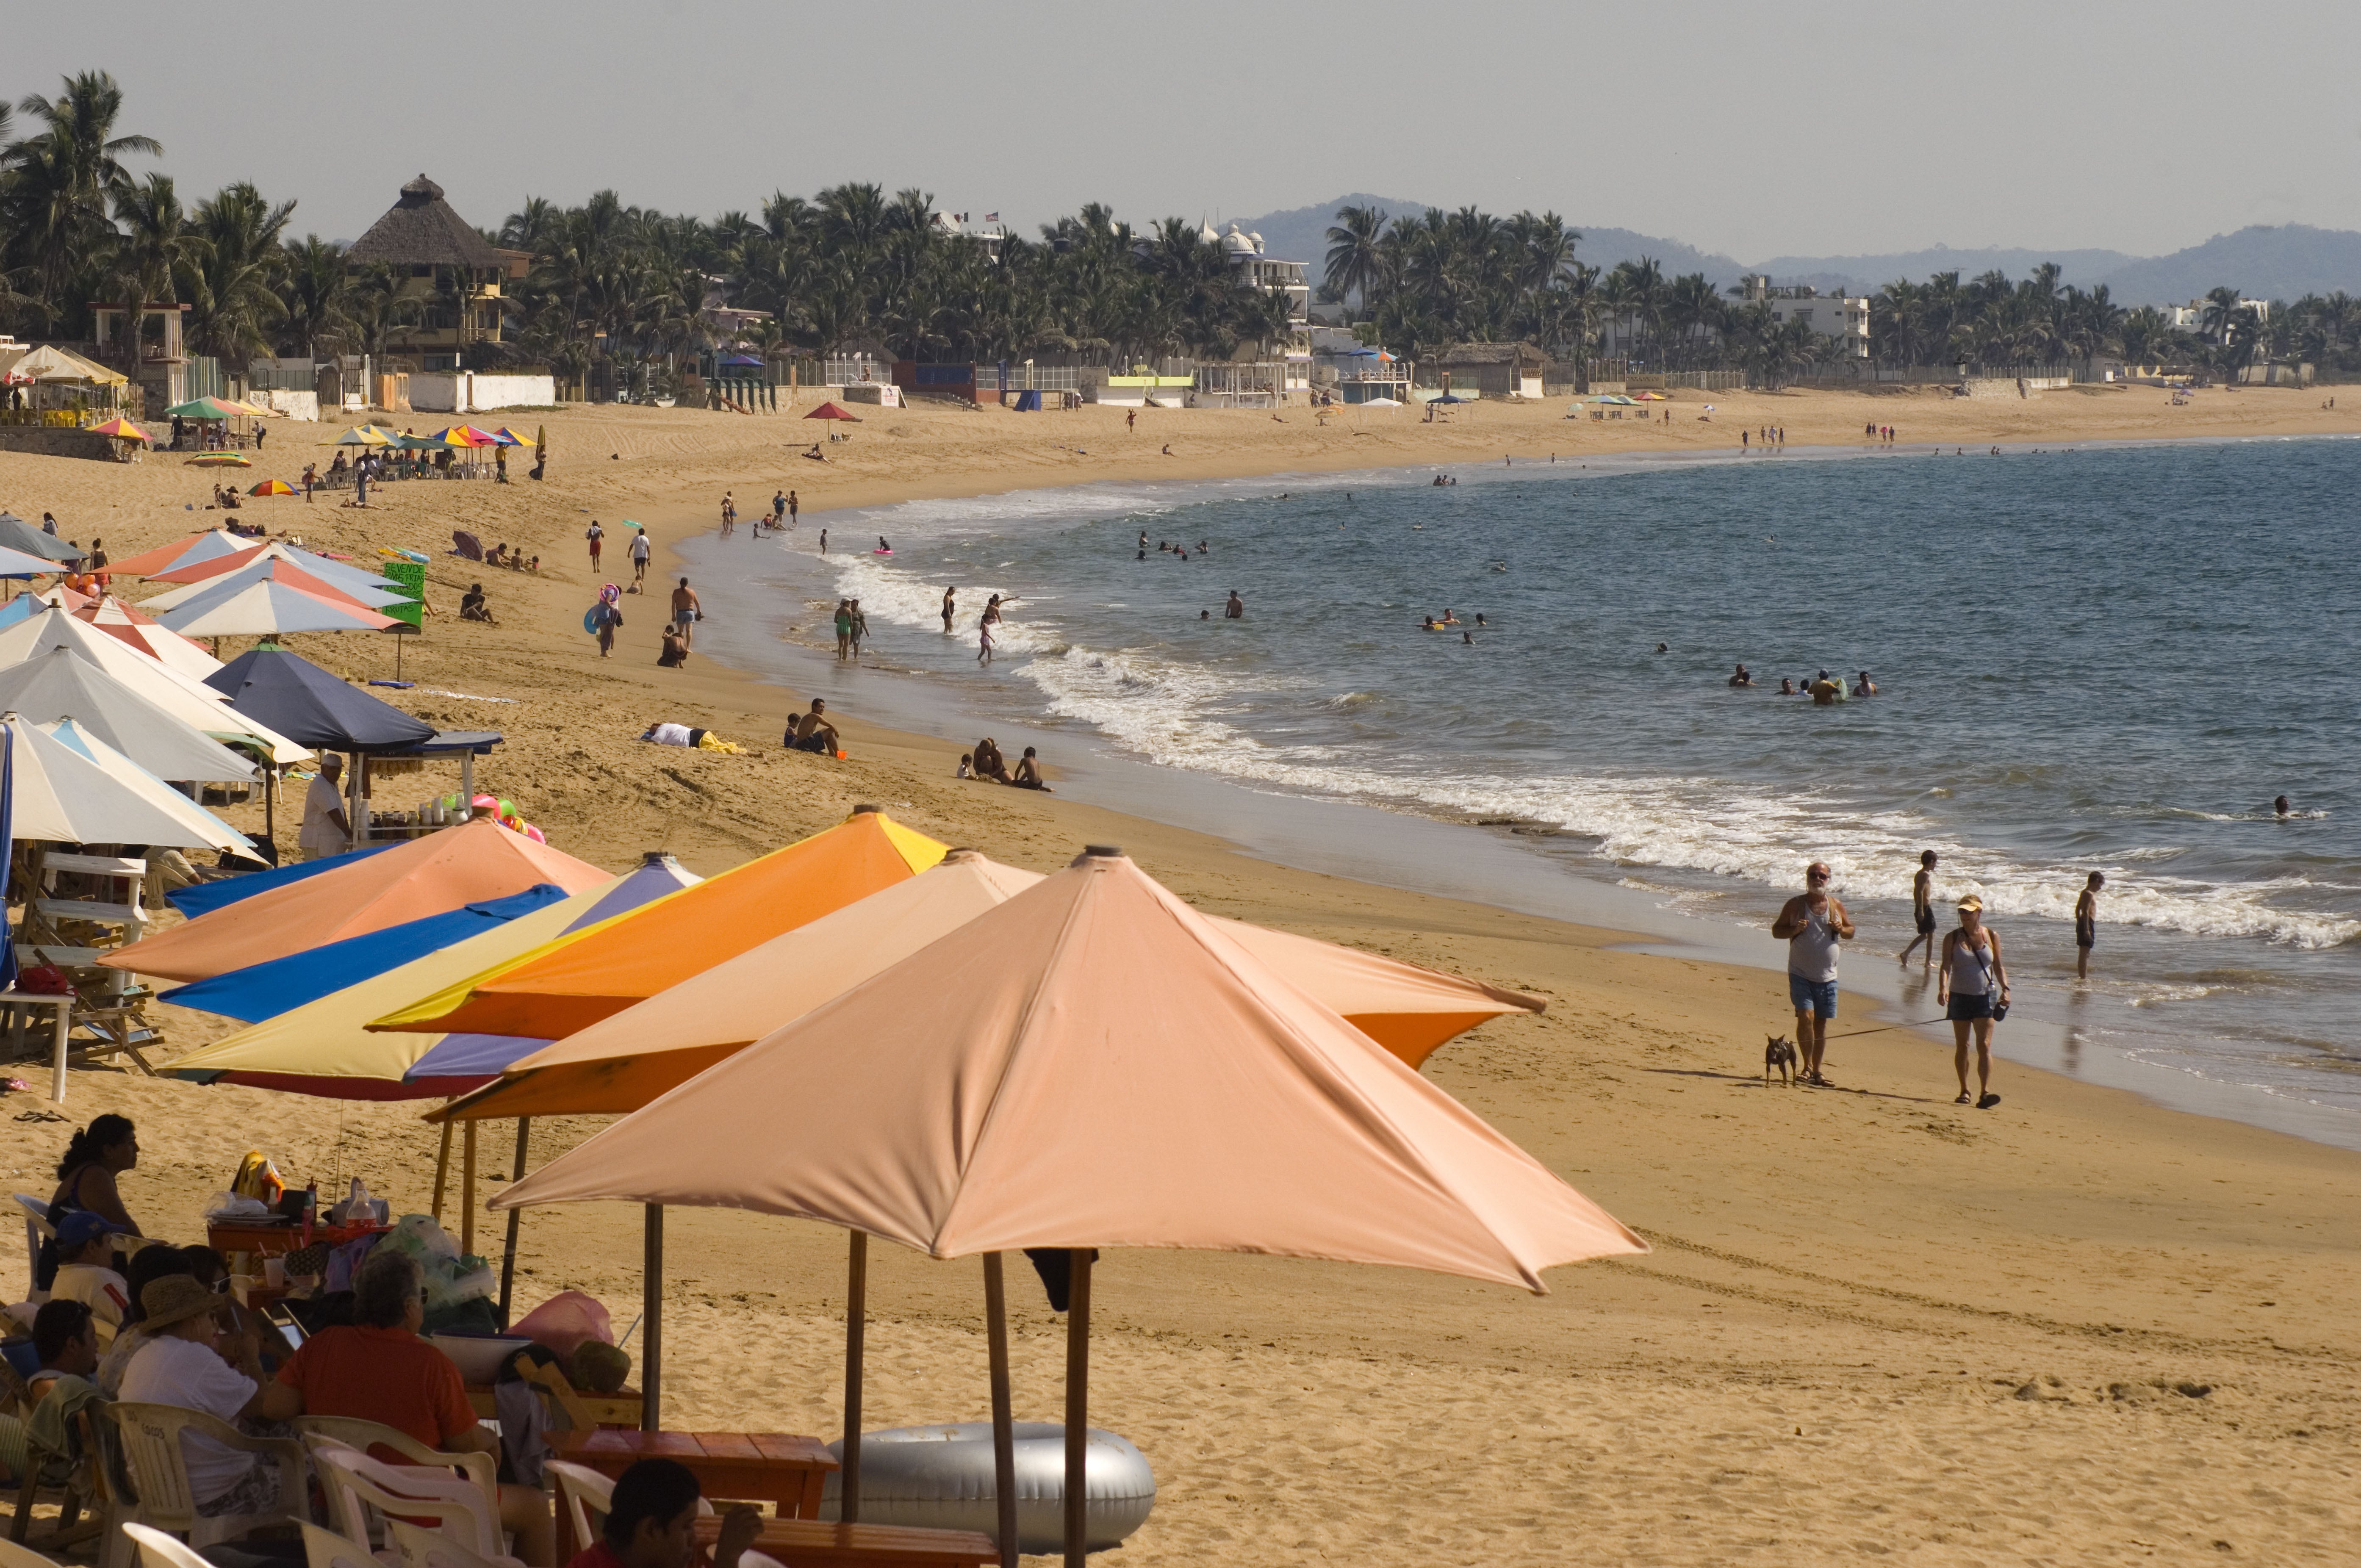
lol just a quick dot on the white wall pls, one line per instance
(467, 392)
(289, 403)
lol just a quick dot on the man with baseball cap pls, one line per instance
(87, 1271)
(188, 1361)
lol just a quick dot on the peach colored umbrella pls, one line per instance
(477, 859)
(1091, 1064)
(581, 978)
(627, 1059)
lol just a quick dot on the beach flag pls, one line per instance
(992, 217)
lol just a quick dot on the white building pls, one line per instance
(1844, 317)
(2190, 317)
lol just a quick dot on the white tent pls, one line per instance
(63, 792)
(61, 684)
(196, 702)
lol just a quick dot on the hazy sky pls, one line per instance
(1757, 130)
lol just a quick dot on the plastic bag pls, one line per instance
(565, 1320)
(231, 1206)
(450, 1278)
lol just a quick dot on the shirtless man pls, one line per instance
(1236, 610)
(685, 612)
(1812, 924)
(1742, 678)
(814, 732)
(1922, 908)
(2086, 923)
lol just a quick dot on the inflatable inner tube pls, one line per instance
(940, 1478)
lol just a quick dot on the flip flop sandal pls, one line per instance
(1965, 1099)
(1988, 1102)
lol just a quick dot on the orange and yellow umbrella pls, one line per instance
(272, 487)
(122, 429)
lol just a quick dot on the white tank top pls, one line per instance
(1812, 951)
(1967, 965)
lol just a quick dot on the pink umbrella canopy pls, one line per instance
(1094, 1064)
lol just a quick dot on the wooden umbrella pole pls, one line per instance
(467, 1191)
(1078, 1408)
(442, 1169)
(1003, 1420)
(508, 1253)
(856, 1323)
(652, 1321)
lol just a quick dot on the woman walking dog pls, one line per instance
(1973, 992)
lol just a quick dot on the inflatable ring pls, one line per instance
(940, 1478)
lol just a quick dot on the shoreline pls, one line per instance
(1871, 1319)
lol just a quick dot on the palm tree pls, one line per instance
(318, 292)
(239, 283)
(2221, 315)
(1357, 260)
(63, 179)
(158, 251)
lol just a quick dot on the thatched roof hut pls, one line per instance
(420, 230)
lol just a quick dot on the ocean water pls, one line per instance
(2107, 658)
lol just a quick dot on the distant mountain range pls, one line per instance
(2262, 262)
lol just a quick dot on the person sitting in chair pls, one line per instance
(188, 1361)
(652, 1519)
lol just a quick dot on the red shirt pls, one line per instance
(600, 1555)
(387, 1375)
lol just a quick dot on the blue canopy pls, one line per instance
(312, 707)
(204, 897)
(267, 989)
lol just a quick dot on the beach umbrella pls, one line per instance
(267, 989)
(269, 608)
(137, 629)
(270, 569)
(475, 860)
(509, 438)
(273, 487)
(17, 534)
(600, 970)
(196, 702)
(187, 551)
(122, 430)
(69, 789)
(624, 1062)
(25, 605)
(17, 564)
(832, 411)
(1090, 1064)
(319, 1046)
(204, 897)
(294, 695)
(342, 575)
(61, 684)
(218, 460)
(362, 435)
(205, 408)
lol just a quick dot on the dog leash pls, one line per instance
(1889, 1029)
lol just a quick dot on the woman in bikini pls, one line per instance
(1972, 982)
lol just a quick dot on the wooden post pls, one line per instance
(1004, 1423)
(508, 1254)
(1078, 1408)
(652, 1321)
(441, 1168)
(856, 1320)
(467, 1191)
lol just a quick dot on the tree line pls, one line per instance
(852, 266)
(1424, 281)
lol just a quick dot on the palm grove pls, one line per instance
(855, 267)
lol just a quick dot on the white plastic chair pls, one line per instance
(418, 1546)
(581, 1492)
(351, 1431)
(158, 1549)
(357, 1485)
(326, 1548)
(152, 1453)
(37, 1230)
(15, 1555)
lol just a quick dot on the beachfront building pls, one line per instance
(1351, 371)
(1844, 317)
(450, 276)
(1487, 370)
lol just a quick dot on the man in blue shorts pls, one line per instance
(1812, 924)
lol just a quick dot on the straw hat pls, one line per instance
(175, 1298)
(1973, 904)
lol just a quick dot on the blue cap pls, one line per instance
(80, 1228)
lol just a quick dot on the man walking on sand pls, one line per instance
(1921, 909)
(640, 551)
(1812, 924)
(2086, 923)
(596, 536)
(685, 612)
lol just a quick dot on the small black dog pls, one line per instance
(1779, 1052)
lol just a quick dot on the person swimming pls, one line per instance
(1786, 688)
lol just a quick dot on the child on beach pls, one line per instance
(1922, 905)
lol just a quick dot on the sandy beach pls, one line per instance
(2077, 1330)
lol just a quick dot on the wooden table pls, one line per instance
(817, 1543)
(779, 1468)
(277, 1241)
